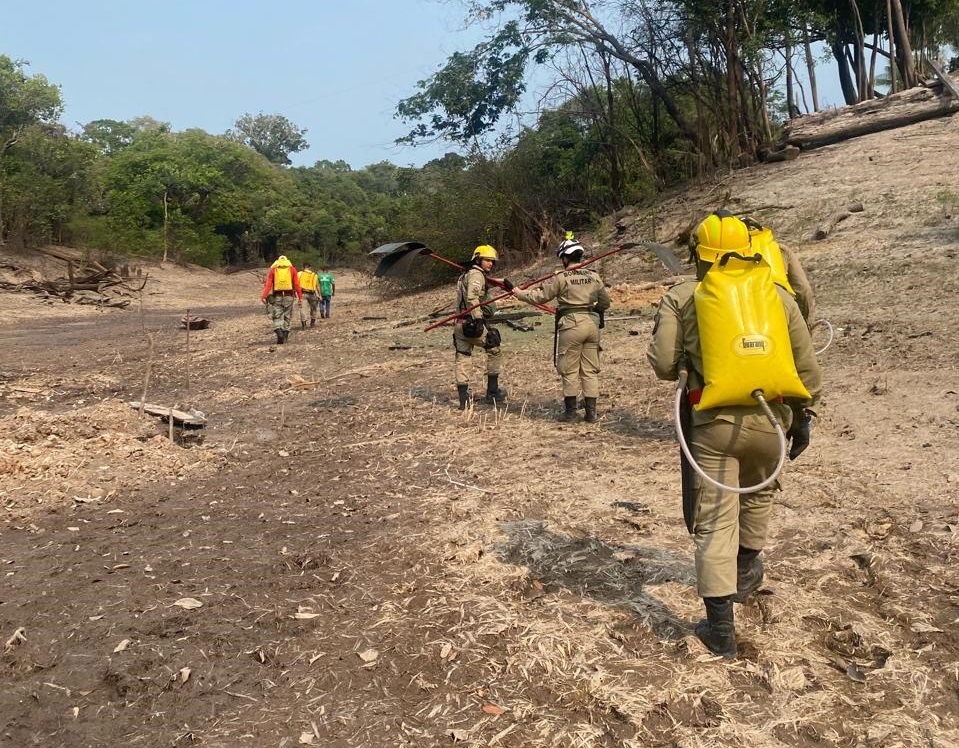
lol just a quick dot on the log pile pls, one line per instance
(86, 281)
(934, 99)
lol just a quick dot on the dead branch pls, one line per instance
(822, 231)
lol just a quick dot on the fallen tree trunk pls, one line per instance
(71, 256)
(896, 110)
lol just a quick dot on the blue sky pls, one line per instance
(336, 68)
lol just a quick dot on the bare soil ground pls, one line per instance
(355, 563)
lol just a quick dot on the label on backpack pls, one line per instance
(744, 335)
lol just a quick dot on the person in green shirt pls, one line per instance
(327, 289)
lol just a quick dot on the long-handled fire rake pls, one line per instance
(629, 245)
(397, 258)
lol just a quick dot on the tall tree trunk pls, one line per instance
(790, 94)
(845, 79)
(731, 87)
(615, 160)
(702, 139)
(872, 65)
(166, 227)
(892, 47)
(859, 54)
(906, 64)
(3, 152)
(810, 69)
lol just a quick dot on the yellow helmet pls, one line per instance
(485, 252)
(720, 233)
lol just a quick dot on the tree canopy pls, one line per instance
(273, 136)
(640, 96)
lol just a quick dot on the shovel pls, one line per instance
(397, 258)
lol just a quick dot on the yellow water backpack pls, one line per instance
(308, 281)
(282, 278)
(282, 275)
(744, 334)
(761, 240)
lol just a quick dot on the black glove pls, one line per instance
(473, 327)
(799, 434)
(508, 284)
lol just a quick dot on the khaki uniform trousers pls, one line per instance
(743, 453)
(314, 302)
(577, 354)
(464, 347)
(281, 310)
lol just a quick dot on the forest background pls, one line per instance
(648, 96)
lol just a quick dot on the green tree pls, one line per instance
(184, 193)
(25, 101)
(46, 182)
(467, 96)
(271, 135)
(111, 136)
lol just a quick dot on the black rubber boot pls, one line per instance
(313, 322)
(286, 335)
(569, 409)
(749, 574)
(493, 392)
(463, 390)
(591, 416)
(279, 336)
(716, 630)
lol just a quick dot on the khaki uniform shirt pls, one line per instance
(471, 289)
(575, 290)
(676, 343)
(805, 297)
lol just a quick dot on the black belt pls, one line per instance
(284, 293)
(563, 311)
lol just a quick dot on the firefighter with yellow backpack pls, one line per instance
(281, 287)
(309, 282)
(740, 348)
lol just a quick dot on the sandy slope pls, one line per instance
(376, 569)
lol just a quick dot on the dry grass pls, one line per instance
(549, 597)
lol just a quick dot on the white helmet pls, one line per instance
(569, 249)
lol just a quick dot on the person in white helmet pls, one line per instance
(582, 299)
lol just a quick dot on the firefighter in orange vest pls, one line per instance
(282, 285)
